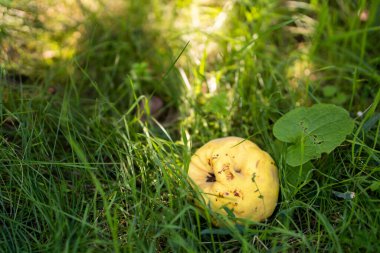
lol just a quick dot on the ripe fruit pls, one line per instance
(235, 173)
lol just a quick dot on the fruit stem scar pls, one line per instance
(211, 177)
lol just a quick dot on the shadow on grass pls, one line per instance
(125, 57)
(113, 52)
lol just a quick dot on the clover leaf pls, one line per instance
(312, 131)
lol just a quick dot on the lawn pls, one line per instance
(103, 103)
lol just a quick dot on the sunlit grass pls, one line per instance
(85, 166)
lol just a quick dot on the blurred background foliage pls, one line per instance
(205, 65)
(140, 41)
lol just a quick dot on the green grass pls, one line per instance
(82, 171)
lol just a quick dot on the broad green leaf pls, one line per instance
(329, 91)
(340, 98)
(312, 131)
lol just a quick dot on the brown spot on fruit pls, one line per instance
(215, 156)
(257, 163)
(229, 176)
(226, 167)
(238, 170)
(236, 193)
(226, 193)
